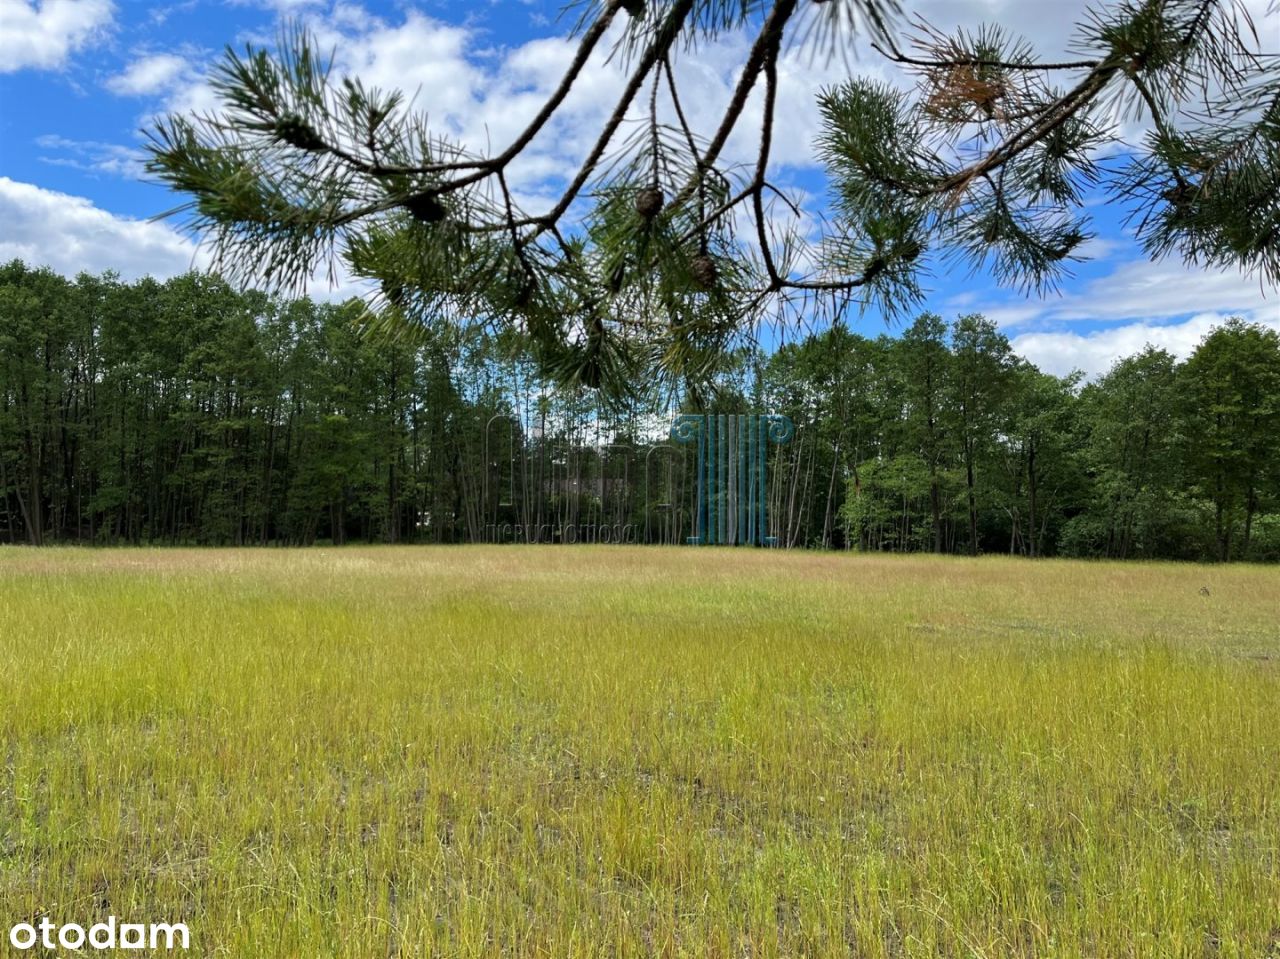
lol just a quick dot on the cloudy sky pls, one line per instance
(80, 78)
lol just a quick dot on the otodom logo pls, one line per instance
(107, 935)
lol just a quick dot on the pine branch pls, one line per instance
(986, 161)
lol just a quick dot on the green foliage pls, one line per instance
(186, 412)
(1132, 452)
(1231, 388)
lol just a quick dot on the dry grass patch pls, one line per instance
(631, 752)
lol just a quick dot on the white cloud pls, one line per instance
(91, 156)
(42, 34)
(160, 14)
(149, 75)
(1136, 301)
(70, 234)
(1141, 289)
(1138, 290)
(1095, 352)
(285, 7)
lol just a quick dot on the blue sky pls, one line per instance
(79, 78)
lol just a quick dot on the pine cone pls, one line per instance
(395, 294)
(1180, 195)
(634, 7)
(649, 202)
(526, 289)
(296, 132)
(617, 276)
(704, 270)
(425, 208)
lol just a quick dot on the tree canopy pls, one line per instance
(188, 412)
(657, 255)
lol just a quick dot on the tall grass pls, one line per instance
(638, 752)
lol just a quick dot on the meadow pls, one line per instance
(611, 751)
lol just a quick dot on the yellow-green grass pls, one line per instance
(619, 751)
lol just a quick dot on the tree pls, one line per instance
(881, 512)
(637, 265)
(1041, 436)
(188, 412)
(982, 365)
(925, 366)
(1134, 423)
(1231, 386)
(31, 340)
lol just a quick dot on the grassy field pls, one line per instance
(635, 752)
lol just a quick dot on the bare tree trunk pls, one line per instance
(935, 508)
(1031, 499)
(973, 501)
(1251, 506)
(831, 495)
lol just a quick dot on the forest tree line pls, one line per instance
(186, 412)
